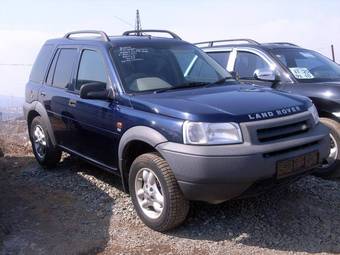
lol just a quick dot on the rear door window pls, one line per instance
(220, 57)
(52, 69)
(64, 68)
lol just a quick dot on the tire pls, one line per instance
(48, 156)
(327, 170)
(175, 207)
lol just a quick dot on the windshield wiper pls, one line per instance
(186, 85)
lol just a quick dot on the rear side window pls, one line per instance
(220, 57)
(64, 67)
(91, 69)
(40, 64)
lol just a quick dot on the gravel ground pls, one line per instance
(78, 209)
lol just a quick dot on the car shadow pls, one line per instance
(55, 211)
(304, 217)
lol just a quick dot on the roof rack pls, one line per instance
(285, 43)
(141, 32)
(102, 34)
(211, 43)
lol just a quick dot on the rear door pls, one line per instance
(55, 94)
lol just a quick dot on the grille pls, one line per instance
(279, 132)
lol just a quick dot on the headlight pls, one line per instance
(211, 133)
(315, 114)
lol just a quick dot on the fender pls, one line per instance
(139, 133)
(326, 107)
(40, 109)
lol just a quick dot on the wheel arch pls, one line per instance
(37, 109)
(134, 142)
(326, 108)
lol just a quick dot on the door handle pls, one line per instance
(72, 103)
(42, 93)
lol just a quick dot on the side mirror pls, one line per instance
(96, 90)
(266, 74)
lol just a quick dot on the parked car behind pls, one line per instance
(168, 120)
(287, 67)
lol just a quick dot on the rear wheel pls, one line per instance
(331, 164)
(155, 193)
(45, 153)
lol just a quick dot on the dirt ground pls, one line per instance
(79, 209)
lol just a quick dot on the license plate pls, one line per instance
(293, 165)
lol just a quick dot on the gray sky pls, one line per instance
(25, 25)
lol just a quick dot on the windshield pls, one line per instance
(308, 66)
(154, 67)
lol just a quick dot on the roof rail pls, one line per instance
(102, 34)
(211, 43)
(285, 43)
(140, 32)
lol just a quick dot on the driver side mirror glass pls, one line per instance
(266, 74)
(96, 90)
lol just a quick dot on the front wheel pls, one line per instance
(155, 193)
(332, 163)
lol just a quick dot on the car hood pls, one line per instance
(236, 103)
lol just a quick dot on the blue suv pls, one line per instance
(168, 120)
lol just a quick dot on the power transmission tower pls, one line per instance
(138, 24)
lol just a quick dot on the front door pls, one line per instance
(94, 129)
(245, 65)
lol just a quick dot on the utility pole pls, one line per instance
(333, 54)
(138, 25)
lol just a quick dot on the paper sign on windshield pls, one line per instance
(301, 73)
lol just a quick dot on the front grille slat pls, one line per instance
(279, 132)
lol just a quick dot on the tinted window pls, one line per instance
(201, 70)
(63, 70)
(195, 68)
(40, 64)
(246, 64)
(91, 69)
(51, 70)
(169, 66)
(220, 57)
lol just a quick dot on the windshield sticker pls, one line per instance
(301, 73)
(307, 55)
(128, 54)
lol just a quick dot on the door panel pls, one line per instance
(55, 95)
(93, 121)
(94, 129)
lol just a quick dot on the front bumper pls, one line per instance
(219, 173)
